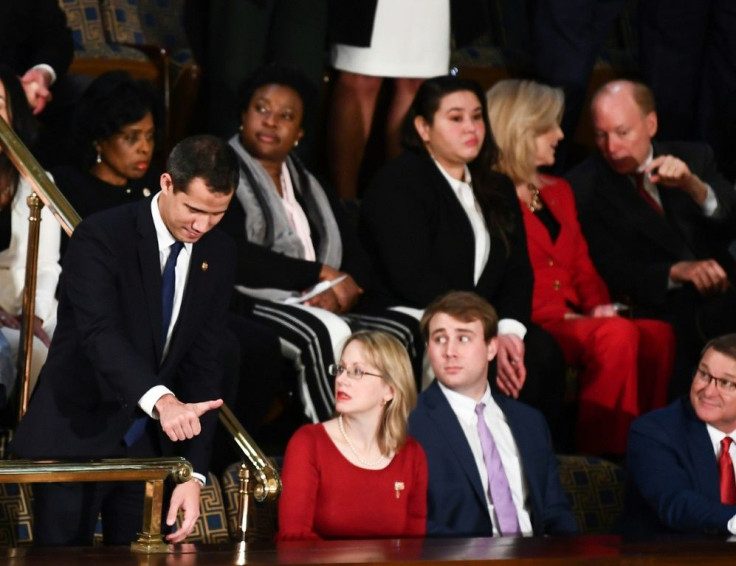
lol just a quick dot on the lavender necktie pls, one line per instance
(498, 483)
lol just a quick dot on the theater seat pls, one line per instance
(595, 488)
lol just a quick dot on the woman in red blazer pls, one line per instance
(625, 364)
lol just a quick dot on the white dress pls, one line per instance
(13, 273)
(411, 39)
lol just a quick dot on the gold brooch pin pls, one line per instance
(205, 266)
(398, 486)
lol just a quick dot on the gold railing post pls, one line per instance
(243, 501)
(150, 539)
(25, 350)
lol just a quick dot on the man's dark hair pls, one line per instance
(465, 306)
(207, 157)
(725, 345)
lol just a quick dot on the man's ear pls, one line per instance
(650, 120)
(167, 183)
(492, 348)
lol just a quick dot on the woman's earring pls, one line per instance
(99, 157)
(296, 143)
(240, 127)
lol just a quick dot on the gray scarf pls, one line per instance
(266, 222)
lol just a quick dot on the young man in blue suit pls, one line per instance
(134, 368)
(522, 495)
(680, 458)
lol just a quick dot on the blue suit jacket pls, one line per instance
(107, 348)
(456, 504)
(673, 474)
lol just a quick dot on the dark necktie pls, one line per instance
(168, 284)
(498, 483)
(644, 194)
(725, 467)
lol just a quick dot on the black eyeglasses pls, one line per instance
(723, 385)
(353, 373)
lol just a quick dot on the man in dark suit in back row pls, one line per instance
(134, 367)
(492, 471)
(658, 218)
(681, 458)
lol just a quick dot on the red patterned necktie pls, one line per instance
(725, 467)
(643, 193)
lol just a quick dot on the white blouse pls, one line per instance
(13, 260)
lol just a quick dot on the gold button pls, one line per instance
(550, 262)
(556, 285)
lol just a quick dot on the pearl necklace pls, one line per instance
(352, 448)
(535, 203)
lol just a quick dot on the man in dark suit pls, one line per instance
(680, 458)
(121, 380)
(658, 218)
(508, 484)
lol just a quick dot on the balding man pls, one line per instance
(658, 218)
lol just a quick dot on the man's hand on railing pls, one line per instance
(186, 498)
(181, 420)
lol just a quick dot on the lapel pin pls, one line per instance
(398, 486)
(205, 266)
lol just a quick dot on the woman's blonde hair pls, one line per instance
(391, 360)
(519, 111)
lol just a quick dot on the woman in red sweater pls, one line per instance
(359, 475)
(625, 364)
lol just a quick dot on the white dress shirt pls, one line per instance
(715, 439)
(464, 409)
(165, 240)
(464, 192)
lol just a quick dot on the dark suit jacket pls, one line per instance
(107, 348)
(456, 504)
(33, 32)
(422, 243)
(564, 275)
(632, 246)
(673, 474)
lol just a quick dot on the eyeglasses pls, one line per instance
(353, 373)
(723, 385)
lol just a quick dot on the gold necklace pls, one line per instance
(535, 203)
(352, 448)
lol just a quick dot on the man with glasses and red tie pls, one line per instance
(680, 458)
(492, 471)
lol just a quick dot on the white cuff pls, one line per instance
(147, 403)
(710, 204)
(49, 69)
(731, 525)
(202, 479)
(511, 326)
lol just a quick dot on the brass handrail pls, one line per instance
(46, 190)
(151, 470)
(267, 483)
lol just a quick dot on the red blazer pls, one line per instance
(563, 271)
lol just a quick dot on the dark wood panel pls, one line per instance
(572, 551)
